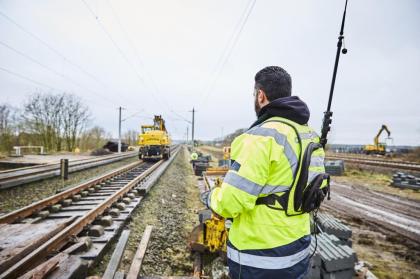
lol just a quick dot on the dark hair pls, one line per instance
(274, 81)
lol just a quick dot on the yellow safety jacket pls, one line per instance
(194, 156)
(266, 161)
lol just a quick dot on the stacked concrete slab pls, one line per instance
(335, 167)
(403, 180)
(334, 257)
(331, 259)
(331, 225)
(224, 163)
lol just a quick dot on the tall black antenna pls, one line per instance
(328, 113)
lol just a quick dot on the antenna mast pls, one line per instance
(328, 113)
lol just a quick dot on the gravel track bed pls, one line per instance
(171, 208)
(20, 196)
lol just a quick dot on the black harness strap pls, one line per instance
(271, 199)
(306, 197)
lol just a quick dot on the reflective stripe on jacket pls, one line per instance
(265, 161)
(265, 264)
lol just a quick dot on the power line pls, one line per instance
(180, 117)
(31, 34)
(34, 81)
(51, 69)
(229, 42)
(26, 78)
(218, 64)
(120, 51)
(136, 53)
(102, 26)
(132, 115)
(248, 11)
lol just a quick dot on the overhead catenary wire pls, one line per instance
(52, 88)
(27, 78)
(137, 55)
(52, 70)
(229, 42)
(135, 50)
(180, 117)
(133, 114)
(120, 51)
(228, 50)
(52, 49)
(141, 62)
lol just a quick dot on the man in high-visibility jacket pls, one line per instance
(264, 242)
(194, 156)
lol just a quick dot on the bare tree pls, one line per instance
(42, 120)
(4, 117)
(130, 137)
(93, 138)
(55, 118)
(8, 123)
(75, 116)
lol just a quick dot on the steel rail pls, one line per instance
(366, 157)
(381, 163)
(53, 166)
(9, 180)
(37, 206)
(60, 239)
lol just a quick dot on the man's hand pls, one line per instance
(204, 198)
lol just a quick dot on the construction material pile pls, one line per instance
(334, 257)
(334, 167)
(405, 181)
(329, 224)
(113, 146)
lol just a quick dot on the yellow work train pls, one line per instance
(154, 141)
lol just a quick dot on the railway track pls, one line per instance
(397, 165)
(16, 177)
(96, 209)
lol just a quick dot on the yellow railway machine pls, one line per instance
(154, 141)
(212, 233)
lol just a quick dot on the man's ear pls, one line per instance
(261, 96)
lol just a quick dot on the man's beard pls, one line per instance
(257, 107)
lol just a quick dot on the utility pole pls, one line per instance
(119, 130)
(192, 132)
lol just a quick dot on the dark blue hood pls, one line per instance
(291, 108)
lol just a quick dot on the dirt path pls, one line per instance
(386, 228)
(397, 214)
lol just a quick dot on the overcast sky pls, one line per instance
(164, 57)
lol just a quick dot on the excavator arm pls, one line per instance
(383, 128)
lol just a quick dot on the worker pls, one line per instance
(265, 242)
(194, 156)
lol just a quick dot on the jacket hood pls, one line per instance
(291, 108)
